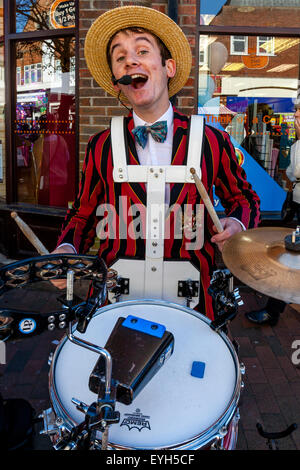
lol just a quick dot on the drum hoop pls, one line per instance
(206, 436)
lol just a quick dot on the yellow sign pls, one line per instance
(62, 14)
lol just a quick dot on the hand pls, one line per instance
(231, 227)
(65, 249)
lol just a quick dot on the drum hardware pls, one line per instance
(155, 410)
(260, 258)
(121, 288)
(139, 348)
(272, 437)
(98, 416)
(292, 242)
(188, 289)
(6, 324)
(226, 298)
(219, 442)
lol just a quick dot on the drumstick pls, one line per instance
(29, 234)
(207, 201)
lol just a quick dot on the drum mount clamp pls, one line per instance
(226, 298)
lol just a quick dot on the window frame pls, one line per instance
(268, 54)
(233, 39)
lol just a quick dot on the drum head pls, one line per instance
(174, 407)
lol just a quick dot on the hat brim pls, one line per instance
(114, 20)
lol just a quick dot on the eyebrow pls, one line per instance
(139, 38)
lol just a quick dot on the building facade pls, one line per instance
(245, 78)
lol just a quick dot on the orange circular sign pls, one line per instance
(253, 61)
(62, 14)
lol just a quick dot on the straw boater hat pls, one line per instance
(154, 21)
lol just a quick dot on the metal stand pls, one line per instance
(226, 298)
(273, 436)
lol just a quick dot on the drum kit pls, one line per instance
(148, 374)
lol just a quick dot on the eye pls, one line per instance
(143, 52)
(120, 58)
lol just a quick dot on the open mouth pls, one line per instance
(138, 80)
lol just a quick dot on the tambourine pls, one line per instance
(17, 323)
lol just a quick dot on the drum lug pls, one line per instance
(50, 358)
(52, 425)
(219, 442)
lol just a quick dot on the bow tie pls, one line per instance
(158, 130)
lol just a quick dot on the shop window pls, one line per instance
(252, 97)
(238, 45)
(44, 128)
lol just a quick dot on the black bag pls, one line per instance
(288, 210)
(16, 424)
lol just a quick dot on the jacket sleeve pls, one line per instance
(79, 226)
(235, 192)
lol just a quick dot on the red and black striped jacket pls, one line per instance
(219, 167)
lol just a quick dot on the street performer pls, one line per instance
(142, 57)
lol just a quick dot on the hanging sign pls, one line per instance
(62, 14)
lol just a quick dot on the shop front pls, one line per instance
(248, 85)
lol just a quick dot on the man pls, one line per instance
(151, 49)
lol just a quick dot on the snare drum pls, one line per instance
(176, 409)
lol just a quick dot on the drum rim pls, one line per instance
(200, 440)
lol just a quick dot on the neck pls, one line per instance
(151, 115)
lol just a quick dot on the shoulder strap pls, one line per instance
(195, 145)
(117, 133)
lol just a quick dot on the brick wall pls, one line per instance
(95, 105)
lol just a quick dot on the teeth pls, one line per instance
(137, 75)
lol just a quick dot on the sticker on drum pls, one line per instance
(176, 409)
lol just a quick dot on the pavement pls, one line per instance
(271, 393)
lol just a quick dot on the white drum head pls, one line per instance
(174, 407)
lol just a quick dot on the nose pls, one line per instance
(132, 59)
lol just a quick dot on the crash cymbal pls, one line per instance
(259, 258)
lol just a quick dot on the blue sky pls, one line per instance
(211, 7)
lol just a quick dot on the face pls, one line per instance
(138, 55)
(297, 111)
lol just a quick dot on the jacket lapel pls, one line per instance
(179, 154)
(137, 190)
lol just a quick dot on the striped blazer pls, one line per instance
(219, 167)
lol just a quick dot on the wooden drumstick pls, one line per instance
(207, 201)
(29, 234)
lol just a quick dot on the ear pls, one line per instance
(171, 68)
(115, 85)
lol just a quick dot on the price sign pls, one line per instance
(62, 14)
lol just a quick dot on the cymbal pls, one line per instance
(258, 257)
